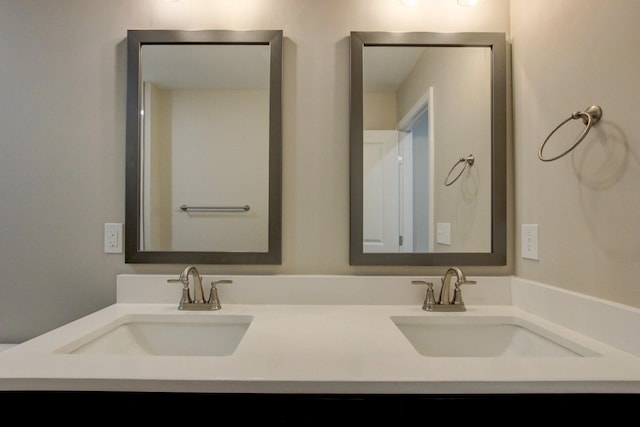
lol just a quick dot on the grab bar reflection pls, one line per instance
(186, 208)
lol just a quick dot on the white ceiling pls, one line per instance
(190, 66)
(386, 67)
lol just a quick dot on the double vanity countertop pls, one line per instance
(337, 345)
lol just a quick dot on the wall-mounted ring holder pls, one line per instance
(466, 161)
(590, 117)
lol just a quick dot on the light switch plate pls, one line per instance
(529, 241)
(443, 233)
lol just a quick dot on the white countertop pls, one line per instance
(328, 348)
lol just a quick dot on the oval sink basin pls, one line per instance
(171, 335)
(485, 337)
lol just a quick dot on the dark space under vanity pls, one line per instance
(326, 409)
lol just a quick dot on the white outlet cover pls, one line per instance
(529, 241)
(113, 237)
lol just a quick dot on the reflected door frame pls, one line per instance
(390, 217)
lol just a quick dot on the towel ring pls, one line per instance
(467, 161)
(589, 117)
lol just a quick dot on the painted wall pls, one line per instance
(568, 55)
(379, 111)
(220, 158)
(462, 125)
(62, 137)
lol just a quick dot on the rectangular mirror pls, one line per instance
(428, 149)
(204, 147)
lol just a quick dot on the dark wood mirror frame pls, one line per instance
(498, 254)
(135, 40)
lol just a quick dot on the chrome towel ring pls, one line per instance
(589, 117)
(467, 161)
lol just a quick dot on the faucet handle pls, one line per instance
(214, 301)
(430, 299)
(457, 292)
(186, 296)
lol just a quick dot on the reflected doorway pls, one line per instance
(398, 176)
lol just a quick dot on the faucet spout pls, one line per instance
(186, 299)
(445, 290)
(198, 292)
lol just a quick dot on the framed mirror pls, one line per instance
(204, 147)
(428, 149)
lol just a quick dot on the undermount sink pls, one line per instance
(164, 335)
(443, 336)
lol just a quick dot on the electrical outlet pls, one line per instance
(443, 233)
(529, 241)
(113, 237)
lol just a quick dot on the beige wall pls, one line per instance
(62, 136)
(462, 125)
(62, 139)
(568, 55)
(379, 111)
(220, 158)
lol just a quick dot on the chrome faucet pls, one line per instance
(444, 301)
(198, 302)
(457, 292)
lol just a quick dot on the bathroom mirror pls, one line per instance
(428, 149)
(204, 147)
